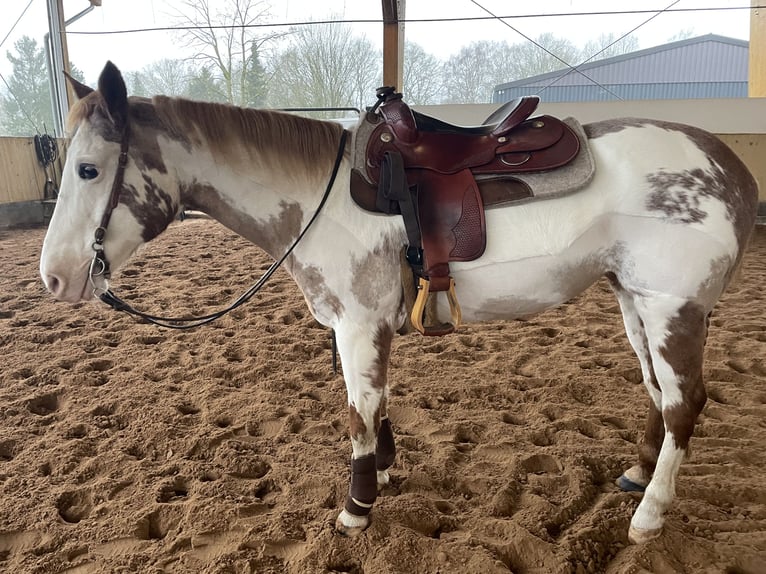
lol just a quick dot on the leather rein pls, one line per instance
(99, 266)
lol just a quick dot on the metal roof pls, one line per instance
(707, 66)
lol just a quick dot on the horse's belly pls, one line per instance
(647, 256)
(517, 289)
(531, 264)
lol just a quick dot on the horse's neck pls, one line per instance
(264, 200)
(269, 214)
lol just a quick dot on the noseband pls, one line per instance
(99, 266)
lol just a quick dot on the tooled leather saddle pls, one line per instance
(425, 169)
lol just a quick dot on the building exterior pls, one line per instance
(703, 67)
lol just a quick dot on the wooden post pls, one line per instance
(393, 43)
(757, 71)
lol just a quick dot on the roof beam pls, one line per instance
(393, 43)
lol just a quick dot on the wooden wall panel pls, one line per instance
(751, 149)
(22, 178)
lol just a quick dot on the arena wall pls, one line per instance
(23, 198)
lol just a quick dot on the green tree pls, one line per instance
(255, 81)
(27, 108)
(203, 86)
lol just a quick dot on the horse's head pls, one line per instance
(99, 199)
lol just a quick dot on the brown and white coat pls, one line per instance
(666, 219)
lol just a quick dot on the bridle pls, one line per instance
(99, 266)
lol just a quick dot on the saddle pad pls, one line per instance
(496, 190)
(545, 184)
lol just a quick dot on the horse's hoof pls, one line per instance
(383, 479)
(628, 485)
(641, 536)
(349, 525)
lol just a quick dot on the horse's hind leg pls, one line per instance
(637, 477)
(675, 331)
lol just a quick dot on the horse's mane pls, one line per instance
(269, 137)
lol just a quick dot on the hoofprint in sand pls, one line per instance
(124, 447)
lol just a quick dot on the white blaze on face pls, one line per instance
(67, 250)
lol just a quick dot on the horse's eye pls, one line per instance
(87, 171)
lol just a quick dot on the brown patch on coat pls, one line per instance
(376, 274)
(143, 143)
(154, 212)
(356, 425)
(678, 194)
(612, 126)
(273, 236)
(654, 434)
(378, 373)
(733, 184)
(315, 289)
(683, 350)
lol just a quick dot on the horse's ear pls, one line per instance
(80, 90)
(115, 94)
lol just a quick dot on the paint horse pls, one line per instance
(666, 218)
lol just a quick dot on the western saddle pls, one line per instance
(425, 169)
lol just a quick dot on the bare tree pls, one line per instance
(683, 34)
(325, 65)
(607, 46)
(468, 74)
(167, 77)
(547, 54)
(422, 76)
(226, 43)
(471, 75)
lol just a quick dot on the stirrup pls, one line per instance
(418, 309)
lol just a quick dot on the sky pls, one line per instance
(133, 51)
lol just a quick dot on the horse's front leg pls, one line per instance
(364, 354)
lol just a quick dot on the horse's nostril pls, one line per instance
(52, 283)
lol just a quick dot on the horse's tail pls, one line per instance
(742, 196)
